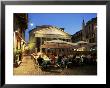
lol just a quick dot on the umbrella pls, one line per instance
(58, 44)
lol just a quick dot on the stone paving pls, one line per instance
(28, 67)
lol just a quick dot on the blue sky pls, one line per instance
(71, 22)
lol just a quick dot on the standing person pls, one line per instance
(89, 58)
(77, 59)
(65, 61)
(59, 60)
(20, 56)
(36, 57)
(94, 58)
(74, 59)
(82, 58)
(53, 59)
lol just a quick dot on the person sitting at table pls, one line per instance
(40, 60)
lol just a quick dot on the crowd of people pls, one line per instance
(65, 61)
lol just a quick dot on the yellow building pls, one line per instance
(20, 25)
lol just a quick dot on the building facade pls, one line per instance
(20, 25)
(91, 31)
(77, 36)
(88, 32)
(40, 34)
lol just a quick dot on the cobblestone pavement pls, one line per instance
(28, 67)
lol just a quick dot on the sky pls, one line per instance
(71, 22)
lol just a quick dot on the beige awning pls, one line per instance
(58, 44)
(53, 36)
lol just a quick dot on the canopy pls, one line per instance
(83, 43)
(80, 42)
(58, 44)
(64, 44)
(54, 45)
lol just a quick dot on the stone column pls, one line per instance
(40, 44)
(14, 42)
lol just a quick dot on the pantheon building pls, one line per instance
(39, 35)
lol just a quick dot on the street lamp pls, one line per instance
(16, 31)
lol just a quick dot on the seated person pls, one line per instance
(40, 60)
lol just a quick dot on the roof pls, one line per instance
(43, 31)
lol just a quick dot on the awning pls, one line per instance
(58, 44)
(53, 36)
(21, 37)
